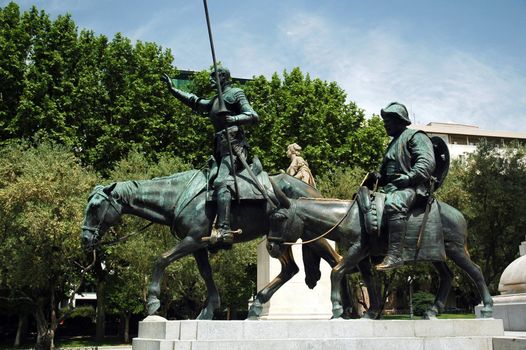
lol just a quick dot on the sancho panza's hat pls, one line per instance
(398, 110)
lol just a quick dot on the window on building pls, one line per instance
(458, 139)
(473, 140)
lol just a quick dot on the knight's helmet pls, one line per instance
(224, 76)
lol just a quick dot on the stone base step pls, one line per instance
(509, 343)
(155, 333)
(400, 343)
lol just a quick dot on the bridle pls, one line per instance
(96, 230)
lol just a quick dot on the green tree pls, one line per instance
(488, 188)
(14, 49)
(42, 195)
(293, 108)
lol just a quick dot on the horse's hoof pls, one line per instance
(430, 315)
(255, 311)
(370, 315)
(153, 305)
(486, 313)
(337, 312)
(205, 315)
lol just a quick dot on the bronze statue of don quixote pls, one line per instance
(234, 201)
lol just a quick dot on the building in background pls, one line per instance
(462, 139)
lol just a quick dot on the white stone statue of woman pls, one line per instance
(299, 168)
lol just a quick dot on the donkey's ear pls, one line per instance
(109, 188)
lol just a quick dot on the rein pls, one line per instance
(96, 229)
(323, 234)
(125, 238)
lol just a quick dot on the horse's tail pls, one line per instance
(311, 262)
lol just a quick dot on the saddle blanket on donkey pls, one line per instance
(431, 246)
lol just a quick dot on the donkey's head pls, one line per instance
(285, 229)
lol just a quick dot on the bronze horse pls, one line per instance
(168, 201)
(308, 218)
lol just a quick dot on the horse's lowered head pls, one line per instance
(103, 211)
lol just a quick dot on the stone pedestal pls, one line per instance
(156, 333)
(510, 306)
(294, 300)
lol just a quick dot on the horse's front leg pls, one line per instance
(354, 255)
(288, 270)
(187, 246)
(212, 302)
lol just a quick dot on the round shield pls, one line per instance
(442, 160)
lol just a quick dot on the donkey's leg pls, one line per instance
(375, 307)
(212, 302)
(187, 246)
(461, 257)
(323, 249)
(288, 270)
(354, 255)
(445, 278)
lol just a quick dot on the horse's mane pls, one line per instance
(124, 188)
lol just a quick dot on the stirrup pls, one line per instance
(220, 235)
(390, 262)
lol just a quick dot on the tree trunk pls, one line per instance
(45, 333)
(21, 330)
(101, 311)
(126, 327)
(45, 341)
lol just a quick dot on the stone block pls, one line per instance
(302, 329)
(188, 330)
(152, 344)
(478, 327)
(351, 328)
(265, 330)
(240, 345)
(449, 343)
(434, 328)
(393, 328)
(322, 334)
(509, 343)
(219, 330)
(182, 345)
(384, 343)
(156, 327)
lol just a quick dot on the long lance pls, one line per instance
(222, 108)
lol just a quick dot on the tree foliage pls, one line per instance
(315, 114)
(102, 98)
(42, 195)
(488, 187)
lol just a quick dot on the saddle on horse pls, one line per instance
(248, 190)
(425, 246)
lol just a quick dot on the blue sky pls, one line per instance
(458, 61)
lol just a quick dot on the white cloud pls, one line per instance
(375, 64)
(379, 66)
